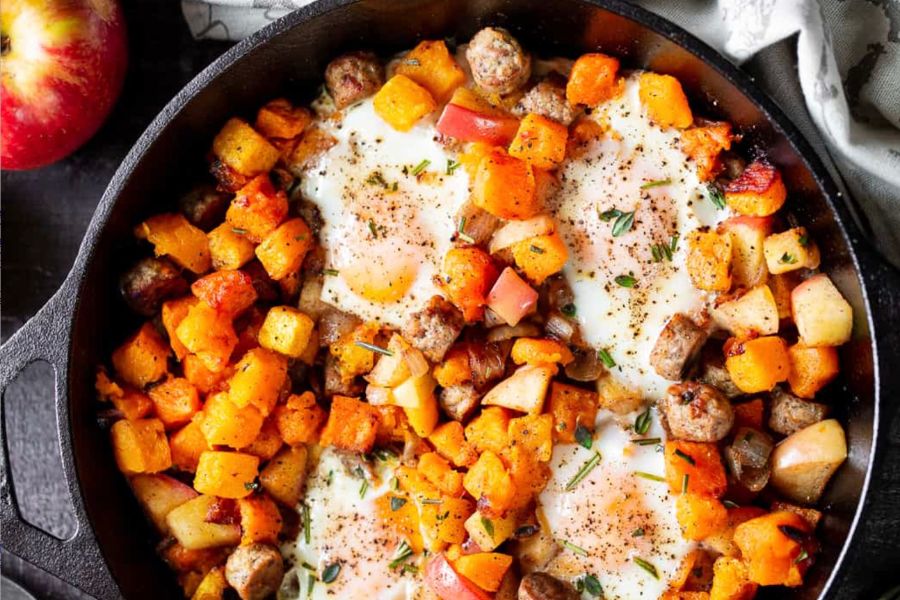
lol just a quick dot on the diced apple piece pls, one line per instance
(791, 250)
(782, 285)
(187, 524)
(524, 390)
(512, 297)
(158, 495)
(755, 311)
(748, 263)
(822, 315)
(490, 532)
(415, 391)
(804, 462)
(391, 369)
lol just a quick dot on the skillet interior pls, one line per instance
(291, 62)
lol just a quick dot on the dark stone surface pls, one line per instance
(46, 212)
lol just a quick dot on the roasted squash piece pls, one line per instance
(594, 79)
(665, 101)
(352, 425)
(402, 102)
(430, 65)
(226, 474)
(299, 419)
(243, 149)
(173, 235)
(257, 209)
(140, 446)
(758, 192)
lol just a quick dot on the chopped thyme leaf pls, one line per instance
(606, 358)
(650, 476)
(715, 196)
(397, 503)
(576, 549)
(626, 281)
(801, 557)
(590, 584)
(363, 488)
(331, 272)
(623, 223)
(642, 422)
(488, 526)
(803, 240)
(401, 554)
(431, 501)
(310, 584)
(610, 214)
(570, 310)
(412, 62)
(461, 232)
(787, 259)
(238, 230)
(647, 441)
(376, 179)
(639, 532)
(583, 472)
(307, 524)
(685, 457)
(657, 183)
(684, 483)
(656, 252)
(372, 228)
(374, 348)
(251, 486)
(331, 572)
(420, 167)
(452, 166)
(584, 437)
(646, 566)
(395, 186)
(536, 249)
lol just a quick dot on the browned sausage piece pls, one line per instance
(680, 341)
(335, 384)
(335, 324)
(541, 586)
(459, 401)
(498, 62)
(547, 98)
(204, 206)
(353, 76)
(150, 281)
(789, 413)
(434, 328)
(254, 571)
(712, 371)
(697, 412)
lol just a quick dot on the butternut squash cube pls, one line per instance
(731, 580)
(491, 531)
(757, 365)
(431, 65)
(352, 425)
(187, 444)
(401, 102)
(570, 407)
(173, 235)
(140, 446)
(257, 209)
(197, 373)
(488, 431)
(281, 119)
(700, 462)
(284, 476)
(541, 256)
(226, 474)
(286, 330)
(709, 260)
(533, 434)
(143, 358)
(267, 443)
(484, 569)
(757, 192)
(226, 424)
(537, 351)
(705, 144)
(770, 554)
(811, 368)
(447, 520)
(241, 148)
(490, 484)
(212, 586)
(593, 79)
(540, 141)
(130, 402)
(228, 249)
(450, 442)
(505, 186)
(260, 520)
(258, 379)
(437, 470)
(282, 251)
(700, 516)
(207, 334)
(176, 400)
(299, 419)
(665, 101)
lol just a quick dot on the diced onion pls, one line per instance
(516, 231)
(415, 361)
(377, 395)
(586, 366)
(310, 298)
(559, 327)
(507, 332)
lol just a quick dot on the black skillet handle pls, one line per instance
(77, 560)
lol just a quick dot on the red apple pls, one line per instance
(63, 66)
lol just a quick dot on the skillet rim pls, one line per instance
(845, 219)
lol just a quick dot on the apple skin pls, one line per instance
(64, 63)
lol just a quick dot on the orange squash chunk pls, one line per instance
(571, 406)
(298, 420)
(430, 65)
(731, 580)
(187, 444)
(541, 256)
(172, 314)
(257, 209)
(665, 101)
(352, 425)
(757, 365)
(758, 192)
(176, 400)
(284, 476)
(401, 102)
(227, 292)
(281, 119)
(811, 368)
(243, 149)
(534, 351)
(207, 334)
(450, 442)
(143, 358)
(771, 546)
(226, 474)
(700, 516)
(258, 379)
(505, 186)
(468, 274)
(701, 463)
(709, 260)
(224, 423)
(437, 470)
(705, 144)
(282, 251)
(260, 520)
(593, 79)
(488, 431)
(490, 484)
(540, 141)
(140, 446)
(174, 236)
(484, 569)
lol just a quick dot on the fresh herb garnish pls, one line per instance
(661, 251)
(488, 526)
(685, 457)
(801, 557)
(657, 183)
(584, 437)
(251, 486)
(590, 584)
(787, 259)
(626, 281)
(461, 232)
(331, 572)
(374, 348)
(412, 62)
(623, 223)
(639, 532)
(606, 358)
(310, 584)
(646, 566)
(570, 310)
(684, 483)
(384, 454)
(397, 503)
(452, 166)
(420, 167)
(331, 272)
(576, 549)
(586, 468)
(431, 500)
(536, 249)
(307, 524)
(729, 504)
(609, 215)
(401, 554)
(715, 196)
(650, 476)
(363, 488)
(642, 422)
(803, 240)
(793, 533)
(376, 179)
(373, 229)
(647, 441)
(394, 484)
(238, 230)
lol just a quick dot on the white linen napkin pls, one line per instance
(843, 56)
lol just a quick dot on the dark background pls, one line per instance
(45, 214)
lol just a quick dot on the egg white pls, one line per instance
(608, 175)
(613, 514)
(373, 231)
(345, 529)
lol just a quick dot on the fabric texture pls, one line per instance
(842, 55)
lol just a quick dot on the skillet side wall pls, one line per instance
(291, 63)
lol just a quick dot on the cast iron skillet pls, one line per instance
(112, 553)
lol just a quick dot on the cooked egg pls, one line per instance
(388, 204)
(630, 190)
(614, 519)
(345, 530)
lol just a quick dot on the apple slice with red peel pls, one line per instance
(63, 68)
(158, 495)
(511, 297)
(189, 525)
(748, 261)
(444, 581)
